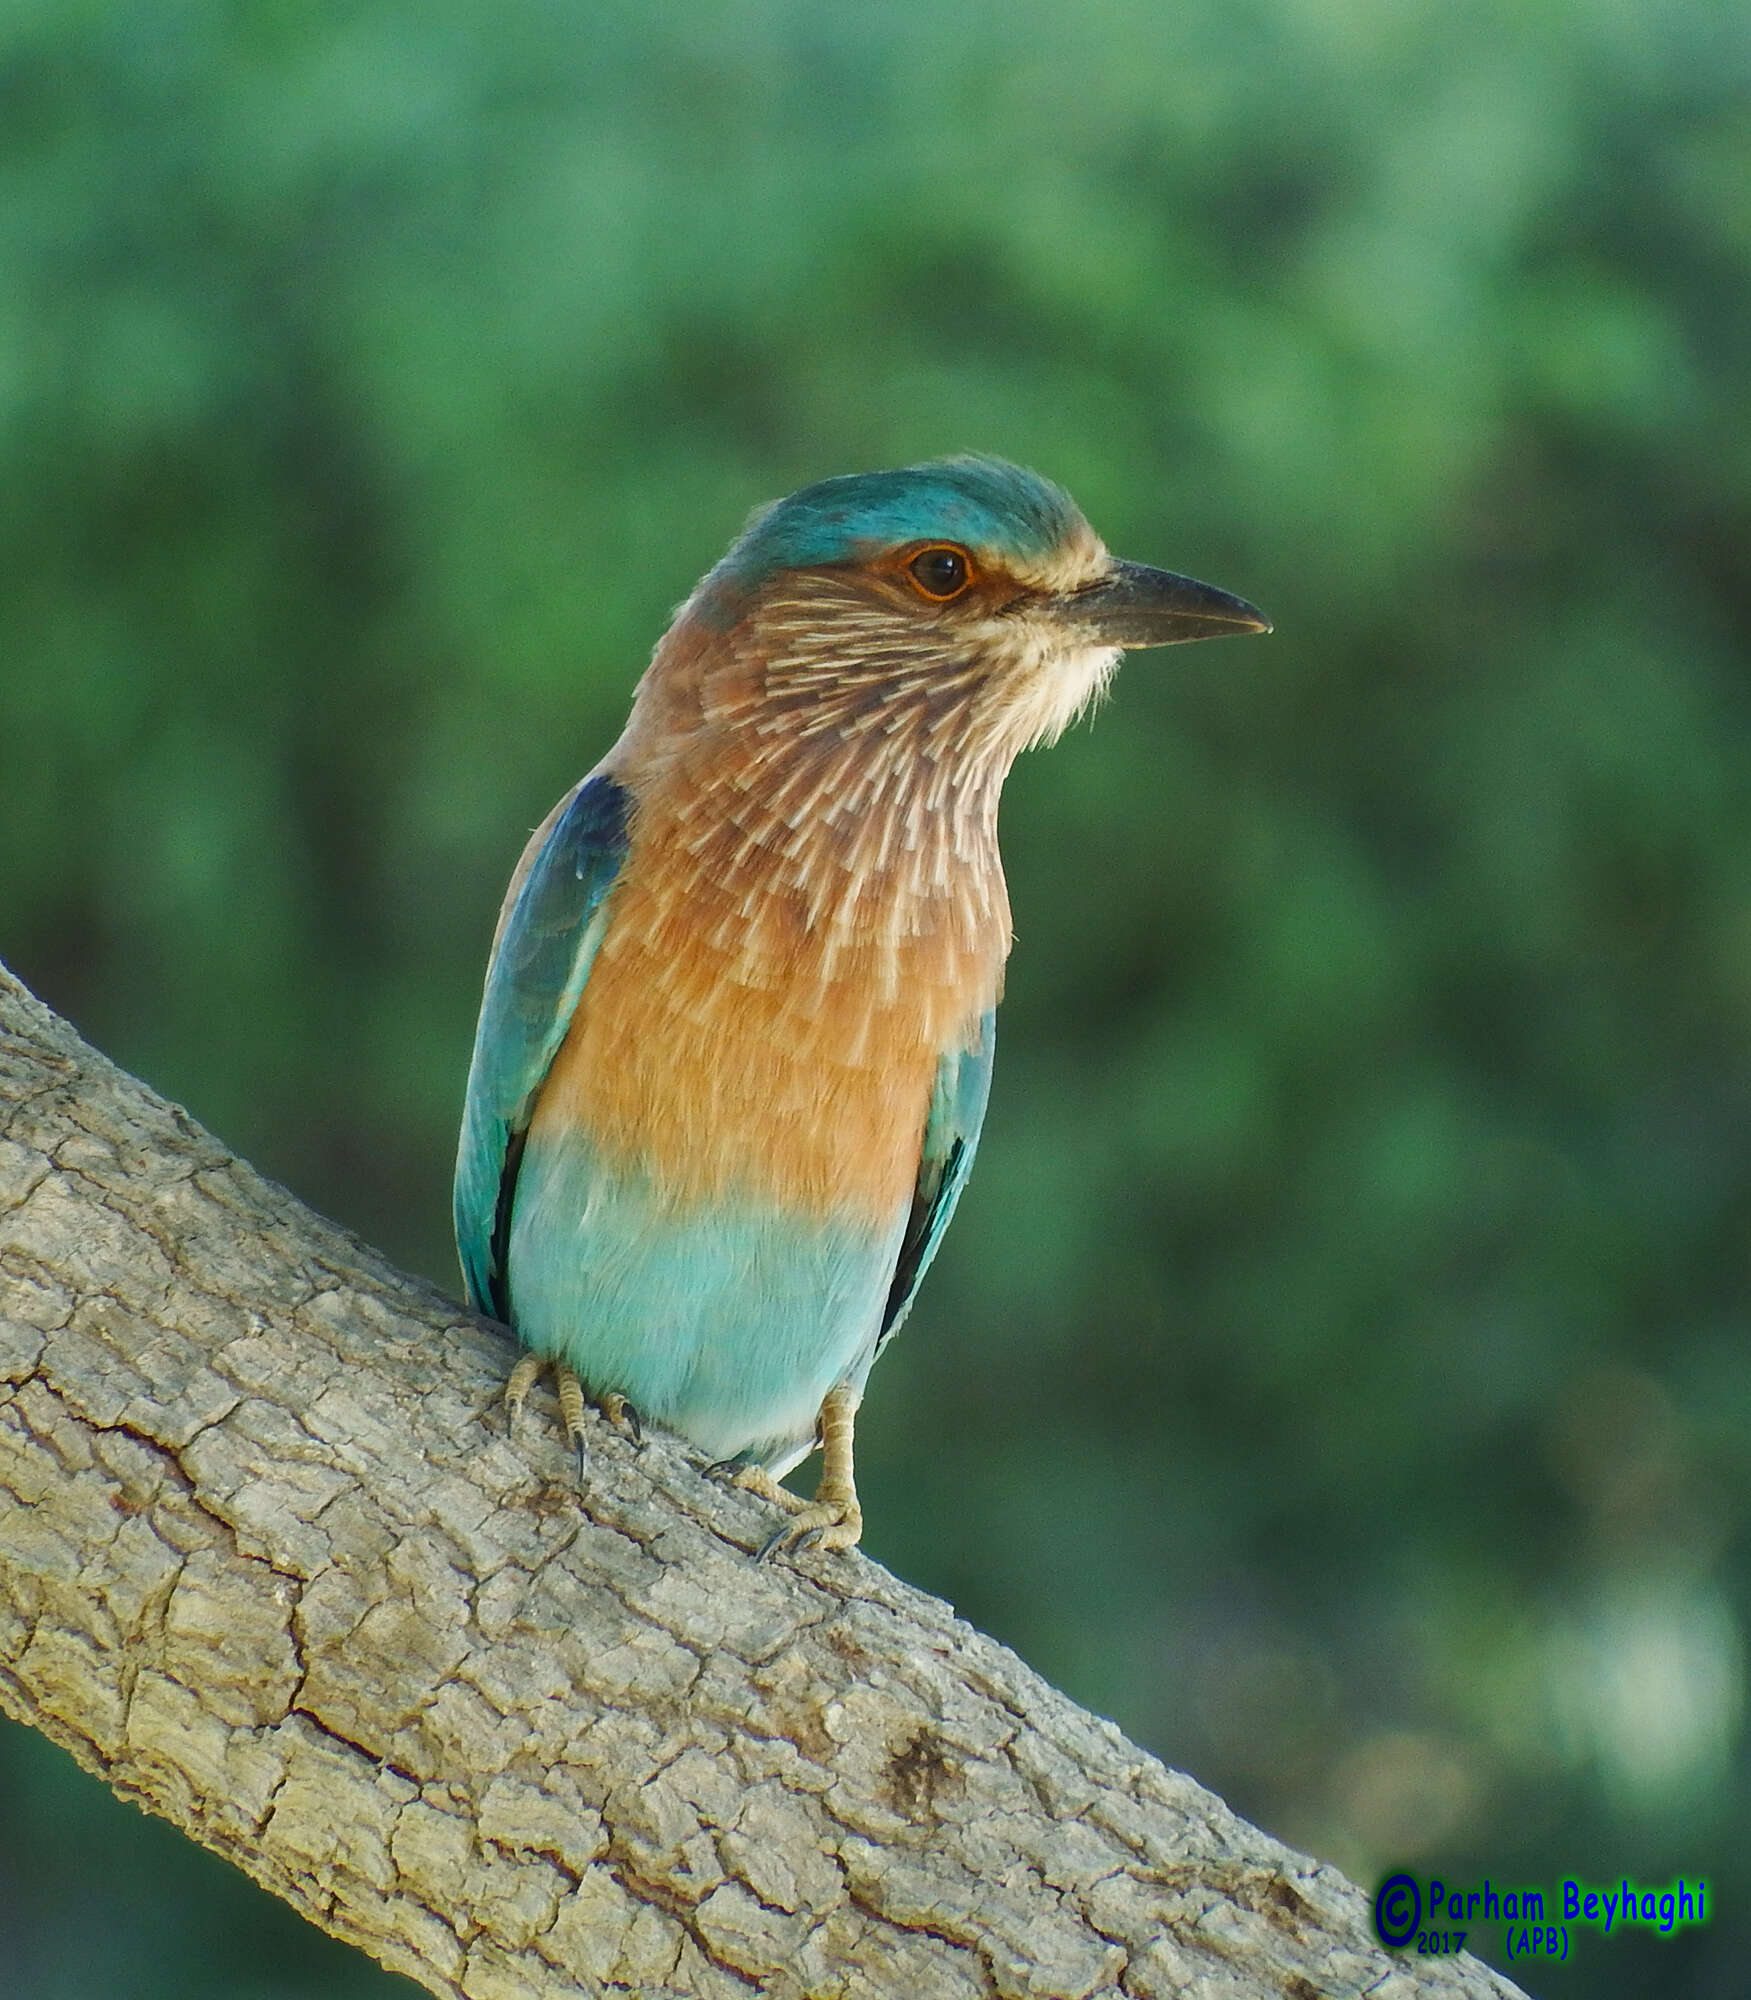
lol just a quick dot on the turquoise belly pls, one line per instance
(728, 1324)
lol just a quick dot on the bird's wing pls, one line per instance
(951, 1136)
(553, 921)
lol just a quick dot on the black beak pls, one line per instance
(1139, 606)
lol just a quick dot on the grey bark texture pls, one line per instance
(271, 1565)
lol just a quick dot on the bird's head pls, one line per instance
(966, 598)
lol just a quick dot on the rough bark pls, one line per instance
(271, 1565)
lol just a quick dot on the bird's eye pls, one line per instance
(941, 573)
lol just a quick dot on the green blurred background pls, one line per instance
(1338, 1372)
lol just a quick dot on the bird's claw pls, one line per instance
(573, 1403)
(621, 1415)
(820, 1524)
(523, 1378)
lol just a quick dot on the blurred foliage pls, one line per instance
(1339, 1372)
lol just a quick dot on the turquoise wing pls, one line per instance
(541, 960)
(951, 1137)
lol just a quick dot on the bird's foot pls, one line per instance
(573, 1402)
(829, 1521)
(833, 1519)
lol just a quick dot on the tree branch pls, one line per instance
(272, 1567)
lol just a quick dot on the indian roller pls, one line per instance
(736, 1037)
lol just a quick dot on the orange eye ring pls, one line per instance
(940, 572)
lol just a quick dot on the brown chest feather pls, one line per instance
(767, 1024)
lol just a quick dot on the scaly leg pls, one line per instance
(833, 1519)
(572, 1402)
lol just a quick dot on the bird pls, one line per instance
(736, 1036)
